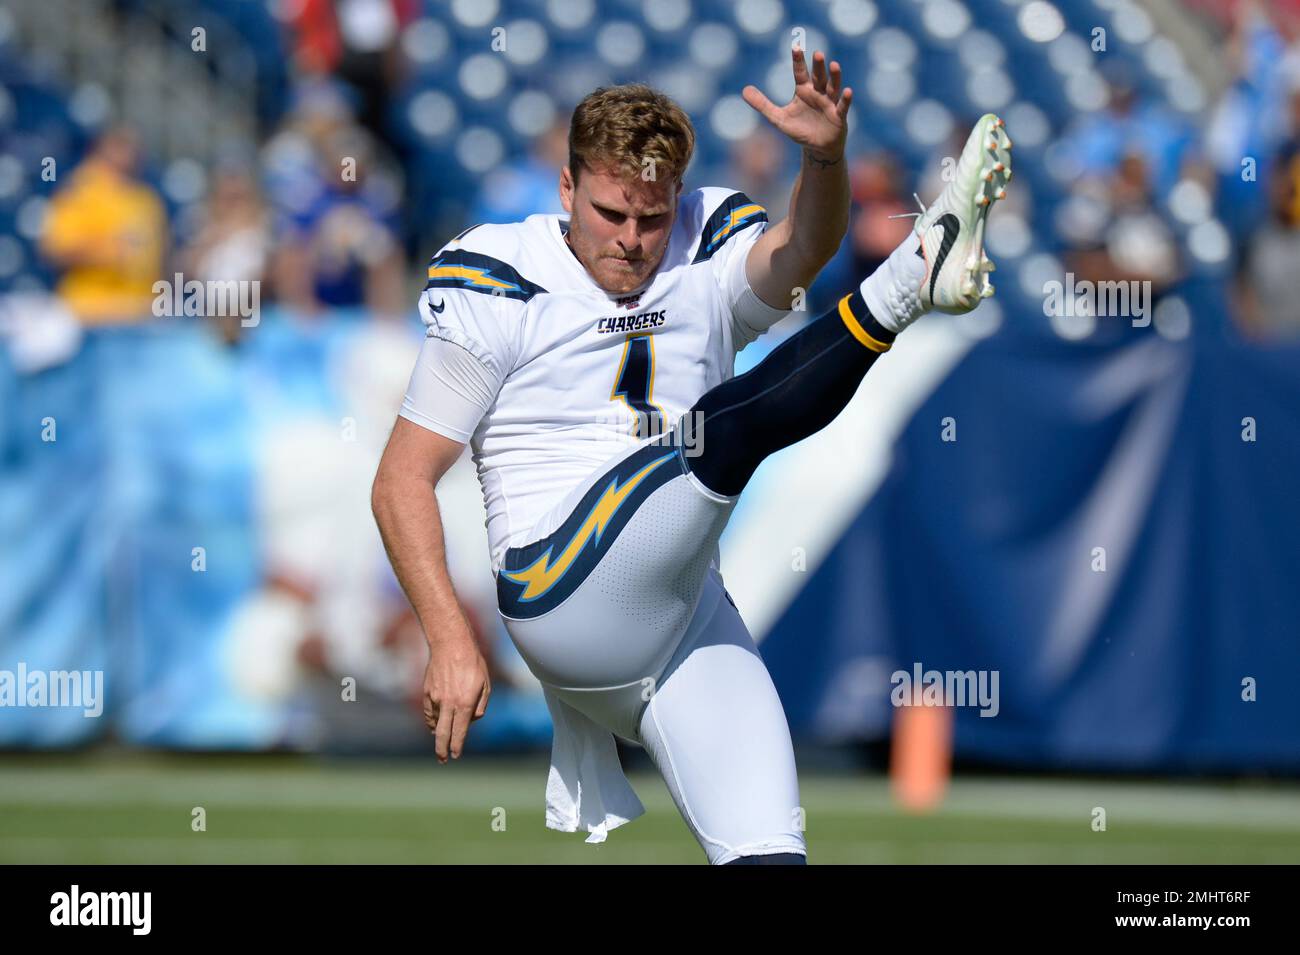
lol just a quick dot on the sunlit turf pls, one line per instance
(128, 808)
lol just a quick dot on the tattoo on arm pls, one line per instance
(821, 163)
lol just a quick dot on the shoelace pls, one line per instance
(911, 215)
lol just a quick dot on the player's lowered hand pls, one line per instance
(456, 691)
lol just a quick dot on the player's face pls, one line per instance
(619, 224)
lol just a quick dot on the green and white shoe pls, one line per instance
(951, 231)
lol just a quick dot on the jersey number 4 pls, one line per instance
(635, 383)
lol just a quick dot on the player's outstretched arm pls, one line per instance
(791, 253)
(456, 684)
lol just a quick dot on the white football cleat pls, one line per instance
(952, 230)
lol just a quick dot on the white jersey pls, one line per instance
(547, 376)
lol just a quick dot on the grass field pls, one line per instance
(101, 808)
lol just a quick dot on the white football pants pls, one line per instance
(616, 608)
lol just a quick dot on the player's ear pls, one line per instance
(567, 187)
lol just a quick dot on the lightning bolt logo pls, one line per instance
(734, 221)
(539, 576)
(470, 276)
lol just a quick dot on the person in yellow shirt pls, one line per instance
(107, 232)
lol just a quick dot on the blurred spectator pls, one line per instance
(1289, 154)
(1225, 11)
(234, 241)
(357, 41)
(1118, 234)
(527, 186)
(292, 160)
(877, 195)
(106, 231)
(342, 248)
(1249, 123)
(1100, 141)
(1269, 282)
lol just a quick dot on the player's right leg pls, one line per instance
(715, 728)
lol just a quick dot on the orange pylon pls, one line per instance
(920, 761)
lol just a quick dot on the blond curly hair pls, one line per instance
(629, 128)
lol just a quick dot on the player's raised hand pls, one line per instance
(456, 691)
(817, 116)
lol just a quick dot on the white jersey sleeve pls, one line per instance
(450, 390)
(473, 312)
(730, 232)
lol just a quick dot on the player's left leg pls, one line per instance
(809, 378)
(715, 728)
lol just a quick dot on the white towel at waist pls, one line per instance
(586, 790)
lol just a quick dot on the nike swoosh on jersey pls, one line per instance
(437, 308)
(541, 575)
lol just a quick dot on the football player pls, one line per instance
(604, 526)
